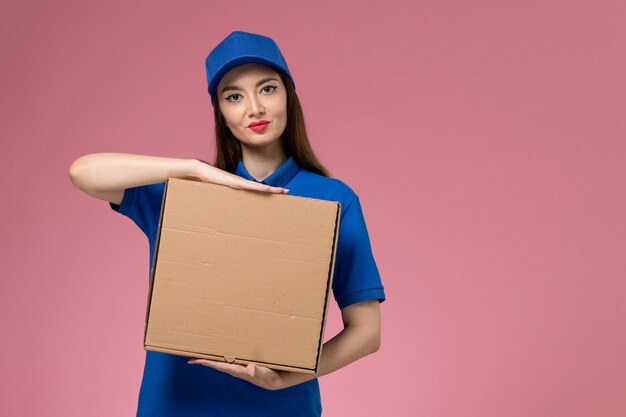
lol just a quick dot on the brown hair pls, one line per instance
(294, 139)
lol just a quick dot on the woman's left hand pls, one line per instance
(258, 375)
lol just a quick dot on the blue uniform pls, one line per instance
(171, 387)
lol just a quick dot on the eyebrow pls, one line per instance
(232, 87)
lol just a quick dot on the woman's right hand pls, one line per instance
(208, 173)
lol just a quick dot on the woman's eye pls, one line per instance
(232, 95)
(273, 87)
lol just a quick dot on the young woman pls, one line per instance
(261, 144)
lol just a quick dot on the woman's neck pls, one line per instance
(261, 163)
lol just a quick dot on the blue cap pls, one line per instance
(242, 48)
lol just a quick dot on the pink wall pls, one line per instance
(486, 140)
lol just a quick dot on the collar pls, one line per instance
(278, 178)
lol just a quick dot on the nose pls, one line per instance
(255, 106)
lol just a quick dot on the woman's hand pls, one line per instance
(208, 173)
(258, 375)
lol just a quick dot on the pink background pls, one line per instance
(485, 139)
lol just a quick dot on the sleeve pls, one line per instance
(142, 205)
(356, 276)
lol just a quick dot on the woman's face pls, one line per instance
(252, 93)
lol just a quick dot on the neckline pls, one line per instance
(279, 178)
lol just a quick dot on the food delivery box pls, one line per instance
(241, 276)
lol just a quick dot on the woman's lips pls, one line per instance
(260, 127)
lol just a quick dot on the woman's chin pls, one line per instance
(259, 142)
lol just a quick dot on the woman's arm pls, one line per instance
(107, 175)
(360, 337)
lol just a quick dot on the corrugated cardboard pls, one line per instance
(241, 276)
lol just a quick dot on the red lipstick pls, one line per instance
(259, 126)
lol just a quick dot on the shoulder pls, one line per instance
(149, 193)
(331, 183)
(327, 188)
(139, 198)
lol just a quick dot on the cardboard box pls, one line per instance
(241, 276)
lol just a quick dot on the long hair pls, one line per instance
(294, 139)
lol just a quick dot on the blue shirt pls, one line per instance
(171, 387)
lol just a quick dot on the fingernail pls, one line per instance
(191, 362)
